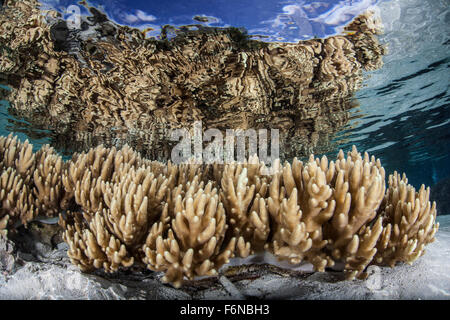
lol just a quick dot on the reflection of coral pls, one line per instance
(30, 183)
(189, 220)
(117, 79)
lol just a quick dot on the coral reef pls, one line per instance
(30, 182)
(81, 83)
(192, 242)
(409, 222)
(105, 83)
(119, 210)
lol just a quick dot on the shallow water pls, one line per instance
(405, 111)
(84, 91)
(403, 115)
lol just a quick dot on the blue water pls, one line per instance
(404, 112)
(21, 128)
(404, 116)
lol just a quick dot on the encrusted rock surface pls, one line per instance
(7, 258)
(56, 278)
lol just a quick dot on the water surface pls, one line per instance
(403, 115)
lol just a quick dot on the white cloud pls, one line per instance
(145, 17)
(344, 11)
(290, 9)
(139, 16)
(131, 18)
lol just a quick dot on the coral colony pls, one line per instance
(120, 210)
(189, 148)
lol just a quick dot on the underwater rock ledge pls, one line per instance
(121, 211)
(104, 81)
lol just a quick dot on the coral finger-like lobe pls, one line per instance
(409, 222)
(31, 183)
(358, 192)
(120, 196)
(243, 191)
(192, 242)
(120, 210)
(91, 245)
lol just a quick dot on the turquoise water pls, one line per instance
(404, 112)
(21, 128)
(404, 117)
(406, 122)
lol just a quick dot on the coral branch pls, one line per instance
(119, 210)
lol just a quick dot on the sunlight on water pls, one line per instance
(405, 105)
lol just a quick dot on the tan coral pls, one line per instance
(120, 197)
(410, 222)
(291, 241)
(174, 219)
(309, 186)
(108, 238)
(359, 191)
(133, 204)
(15, 199)
(245, 204)
(321, 212)
(36, 175)
(86, 171)
(17, 155)
(193, 243)
(48, 187)
(318, 206)
(360, 251)
(93, 247)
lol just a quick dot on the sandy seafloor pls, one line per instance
(53, 277)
